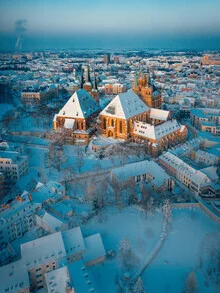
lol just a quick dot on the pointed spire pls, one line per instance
(95, 83)
(88, 72)
(82, 79)
(136, 80)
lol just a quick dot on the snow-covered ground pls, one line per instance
(4, 108)
(179, 256)
(130, 223)
(181, 253)
(31, 124)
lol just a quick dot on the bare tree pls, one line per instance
(139, 286)
(128, 259)
(191, 284)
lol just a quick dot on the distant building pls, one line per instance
(210, 60)
(116, 59)
(115, 89)
(206, 119)
(33, 97)
(106, 58)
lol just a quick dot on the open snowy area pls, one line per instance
(185, 249)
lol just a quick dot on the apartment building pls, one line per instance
(190, 177)
(16, 218)
(13, 165)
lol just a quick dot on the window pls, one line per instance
(112, 123)
(104, 123)
(120, 127)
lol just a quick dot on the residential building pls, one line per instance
(41, 256)
(13, 165)
(190, 177)
(14, 278)
(16, 218)
(114, 89)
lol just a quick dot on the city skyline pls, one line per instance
(103, 24)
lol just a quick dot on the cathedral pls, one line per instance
(147, 91)
(134, 115)
(77, 117)
(128, 117)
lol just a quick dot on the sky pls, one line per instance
(51, 24)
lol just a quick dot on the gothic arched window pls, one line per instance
(104, 123)
(120, 127)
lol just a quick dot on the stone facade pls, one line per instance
(147, 91)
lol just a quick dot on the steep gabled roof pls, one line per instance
(125, 106)
(80, 105)
(159, 114)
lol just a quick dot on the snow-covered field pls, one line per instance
(132, 224)
(181, 253)
(31, 124)
(4, 108)
(179, 256)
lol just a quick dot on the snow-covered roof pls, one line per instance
(194, 175)
(50, 190)
(43, 250)
(81, 278)
(159, 114)
(69, 123)
(125, 106)
(158, 175)
(57, 280)
(80, 105)
(210, 172)
(94, 248)
(155, 131)
(51, 221)
(206, 155)
(14, 277)
(73, 241)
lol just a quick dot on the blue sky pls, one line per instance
(169, 20)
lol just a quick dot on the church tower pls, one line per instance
(95, 92)
(147, 90)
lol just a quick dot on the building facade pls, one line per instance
(13, 165)
(77, 117)
(147, 91)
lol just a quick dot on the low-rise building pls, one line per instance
(190, 177)
(49, 222)
(13, 165)
(205, 158)
(205, 118)
(144, 171)
(115, 88)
